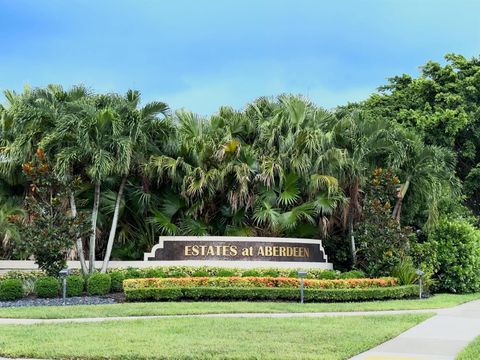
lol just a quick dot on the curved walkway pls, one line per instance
(441, 337)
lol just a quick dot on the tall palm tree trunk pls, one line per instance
(351, 236)
(397, 210)
(93, 236)
(80, 254)
(113, 228)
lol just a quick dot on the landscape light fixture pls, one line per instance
(63, 274)
(420, 274)
(301, 275)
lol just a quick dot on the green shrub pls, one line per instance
(23, 275)
(271, 273)
(405, 272)
(47, 287)
(225, 273)
(154, 273)
(452, 255)
(352, 274)
(28, 287)
(178, 274)
(75, 285)
(117, 278)
(270, 294)
(133, 273)
(200, 273)
(324, 275)
(11, 289)
(99, 284)
(251, 272)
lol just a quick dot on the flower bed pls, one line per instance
(256, 282)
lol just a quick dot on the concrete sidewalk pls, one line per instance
(441, 337)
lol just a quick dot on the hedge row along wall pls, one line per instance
(256, 282)
(266, 293)
(264, 288)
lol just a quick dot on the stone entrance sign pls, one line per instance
(234, 251)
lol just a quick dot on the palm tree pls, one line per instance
(30, 120)
(428, 171)
(141, 136)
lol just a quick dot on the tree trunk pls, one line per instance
(80, 253)
(113, 228)
(93, 236)
(397, 210)
(353, 247)
(353, 213)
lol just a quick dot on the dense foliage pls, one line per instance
(370, 179)
(452, 255)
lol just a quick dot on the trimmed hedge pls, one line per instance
(75, 285)
(99, 284)
(47, 287)
(117, 278)
(256, 282)
(11, 289)
(283, 294)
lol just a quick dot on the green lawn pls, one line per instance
(177, 308)
(207, 338)
(471, 352)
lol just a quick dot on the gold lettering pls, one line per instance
(307, 252)
(210, 250)
(195, 250)
(187, 250)
(260, 251)
(289, 251)
(275, 251)
(233, 251)
(268, 251)
(282, 251)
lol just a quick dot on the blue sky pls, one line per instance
(201, 54)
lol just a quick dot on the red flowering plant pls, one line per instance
(49, 232)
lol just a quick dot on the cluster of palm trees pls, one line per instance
(279, 167)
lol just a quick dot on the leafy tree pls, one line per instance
(442, 105)
(382, 243)
(49, 232)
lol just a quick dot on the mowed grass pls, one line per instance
(190, 308)
(471, 352)
(208, 338)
